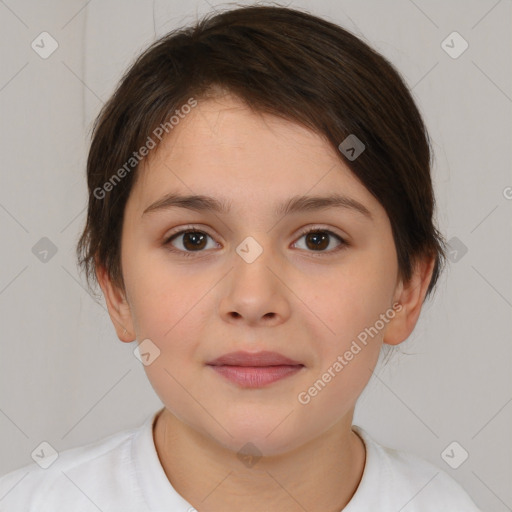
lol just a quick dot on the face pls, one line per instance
(201, 283)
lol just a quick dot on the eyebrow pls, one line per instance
(202, 203)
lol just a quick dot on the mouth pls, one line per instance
(255, 370)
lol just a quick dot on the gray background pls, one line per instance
(65, 378)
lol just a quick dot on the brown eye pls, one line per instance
(318, 240)
(191, 240)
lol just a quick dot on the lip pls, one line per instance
(255, 370)
(262, 359)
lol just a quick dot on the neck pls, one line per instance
(321, 475)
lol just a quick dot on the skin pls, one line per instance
(306, 304)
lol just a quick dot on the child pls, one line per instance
(260, 201)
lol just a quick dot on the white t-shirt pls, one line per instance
(122, 473)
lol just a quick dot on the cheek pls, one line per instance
(352, 306)
(170, 308)
(164, 295)
(354, 298)
(161, 314)
(346, 357)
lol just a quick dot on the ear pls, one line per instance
(410, 296)
(118, 307)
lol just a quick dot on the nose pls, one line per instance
(255, 293)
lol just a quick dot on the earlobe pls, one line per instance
(117, 305)
(411, 296)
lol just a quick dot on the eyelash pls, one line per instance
(343, 243)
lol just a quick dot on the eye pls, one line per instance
(190, 240)
(318, 239)
(193, 240)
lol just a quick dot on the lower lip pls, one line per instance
(256, 376)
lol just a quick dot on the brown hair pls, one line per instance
(282, 62)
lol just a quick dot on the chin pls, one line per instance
(265, 436)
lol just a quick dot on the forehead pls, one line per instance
(224, 149)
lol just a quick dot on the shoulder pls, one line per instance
(404, 479)
(69, 482)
